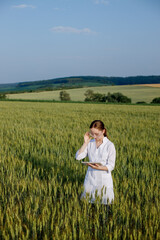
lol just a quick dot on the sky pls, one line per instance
(44, 39)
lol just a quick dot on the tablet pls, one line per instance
(92, 163)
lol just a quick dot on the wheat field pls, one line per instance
(41, 182)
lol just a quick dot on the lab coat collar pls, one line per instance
(105, 139)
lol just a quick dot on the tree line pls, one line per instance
(90, 96)
(75, 82)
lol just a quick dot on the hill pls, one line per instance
(137, 93)
(76, 82)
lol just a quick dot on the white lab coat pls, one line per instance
(99, 182)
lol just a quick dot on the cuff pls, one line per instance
(80, 156)
(109, 168)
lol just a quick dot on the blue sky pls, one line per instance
(43, 39)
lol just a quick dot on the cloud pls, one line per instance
(104, 2)
(23, 6)
(56, 9)
(62, 29)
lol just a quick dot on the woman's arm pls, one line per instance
(111, 157)
(82, 152)
(98, 167)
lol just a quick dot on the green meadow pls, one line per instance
(136, 93)
(41, 182)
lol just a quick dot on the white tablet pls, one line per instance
(92, 163)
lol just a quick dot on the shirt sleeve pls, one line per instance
(82, 155)
(111, 157)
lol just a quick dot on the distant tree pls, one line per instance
(94, 97)
(89, 95)
(64, 96)
(124, 99)
(110, 98)
(117, 98)
(98, 97)
(3, 96)
(156, 100)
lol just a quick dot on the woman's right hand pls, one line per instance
(87, 137)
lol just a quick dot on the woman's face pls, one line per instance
(96, 133)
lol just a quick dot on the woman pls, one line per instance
(99, 149)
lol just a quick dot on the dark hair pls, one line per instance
(99, 125)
